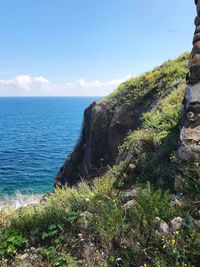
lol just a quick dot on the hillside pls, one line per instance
(141, 211)
(107, 123)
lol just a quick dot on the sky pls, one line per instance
(87, 47)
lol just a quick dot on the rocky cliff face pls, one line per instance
(107, 123)
(190, 132)
(105, 126)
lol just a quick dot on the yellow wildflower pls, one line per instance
(173, 241)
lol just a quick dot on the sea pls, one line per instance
(36, 135)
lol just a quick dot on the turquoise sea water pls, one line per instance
(36, 135)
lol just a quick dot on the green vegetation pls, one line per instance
(154, 82)
(153, 146)
(105, 225)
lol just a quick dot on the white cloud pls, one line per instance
(25, 85)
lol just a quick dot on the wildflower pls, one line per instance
(173, 241)
(177, 233)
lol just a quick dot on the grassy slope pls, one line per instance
(64, 237)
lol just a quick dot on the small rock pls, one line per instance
(197, 224)
(129, 205)
(175, 203)
(80, 236)
(185, 152)
(86, 217)
(176, 224)
(163, 227)
(119, 262)
(32, 249)
(130, 193)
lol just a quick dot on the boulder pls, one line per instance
(185, 152)
(163, 227)
(192, 96)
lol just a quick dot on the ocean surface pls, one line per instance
(36, 135)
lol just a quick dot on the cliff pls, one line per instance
(139, 141)
(107, 123)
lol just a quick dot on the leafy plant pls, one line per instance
(10, 242)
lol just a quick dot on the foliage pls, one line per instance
(10, 242)
(157, 81)
(108, 217)
(58, 259)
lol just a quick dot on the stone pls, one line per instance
(176, 203)
(195, 69)
(86, 217)
(196, 38)
(119, 262)
(189, 133)
(197, 29)
(163, 227)
(192, 94)
(176, 224)
(184, 152)
(130, 193)
(197, 21)
(195, 49)
(129, 205)
(197, 224)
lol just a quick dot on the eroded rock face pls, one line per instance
(105, 126)
(190, 132)
(103, 131)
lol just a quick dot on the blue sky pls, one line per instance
(87, 47)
